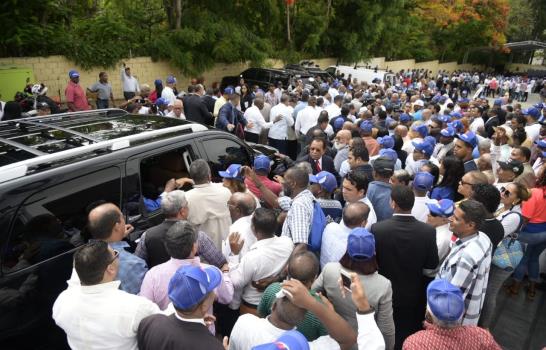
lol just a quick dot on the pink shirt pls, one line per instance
(155, 285)
(273, 186)
(74, 93)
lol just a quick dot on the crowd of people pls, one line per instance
(387, 220)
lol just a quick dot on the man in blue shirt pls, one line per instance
(106, 223)
(379, 190)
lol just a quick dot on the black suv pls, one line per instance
(52, 168)
(259, 76)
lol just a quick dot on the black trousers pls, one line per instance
(252, 137)
(281, 145)
(128, 95)
(407, 320)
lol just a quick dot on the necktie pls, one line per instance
(318, 166)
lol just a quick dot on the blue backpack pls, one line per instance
(318, 222)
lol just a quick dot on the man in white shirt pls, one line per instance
(533, 127)
(168, 91)
(281, 115)
(307, 118)
(97, 314)
(422, 184)
(265, 258)
(334, 237)
(178, 110)
(289, 309)
(334, 109)
(129, 83)
(254, 115)
(241, 207)
(354, 188)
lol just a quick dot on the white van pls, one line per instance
(362, 74)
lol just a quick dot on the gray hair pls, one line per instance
(172, 202)
(305, 166)
(444, 324)
(200, 171)
(484, 144)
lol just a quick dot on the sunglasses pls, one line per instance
(504, 191)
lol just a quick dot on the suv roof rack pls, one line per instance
(64, 136)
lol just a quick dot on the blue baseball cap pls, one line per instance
(161, 101)
(262, 162)
(444, 118)
(388, 153)
(386, 141)
(533, 112)
(361, 244)
(229, 90)
(421, 129)
(448, 132)
(325, 179)
(338, 123)
(289, 340)
(541, 143)
(443, 207)
(445, 300)
(457, 125)
(158, 82)
(424, 147)
(443, 99)
(423, 181)
(404, 118)
(456, 115)
(73, 74)
(469, 138)
(171, 79)
(366, 126)
(431, 140)
(540, 105)
(498, 102)
(543, 154)
(191, 284)
(234, 171)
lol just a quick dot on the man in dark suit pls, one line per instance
(195, 108)
(209, 99)
(404, 247)
(318, 159)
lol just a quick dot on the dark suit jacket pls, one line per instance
(209, 102)
(195, 110)
(404, 247)
(327, 164)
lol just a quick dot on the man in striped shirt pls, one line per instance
(467, 265)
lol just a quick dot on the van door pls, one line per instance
(147, 174)
(44, 232)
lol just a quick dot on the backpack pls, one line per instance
(318, 222)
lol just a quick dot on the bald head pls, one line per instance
(401, 130)
(344, 136)
(245, 202)
(348, 126)
(304, 267)
(355, 214)
(106, 222)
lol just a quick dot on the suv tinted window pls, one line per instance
(52, 221)
(249, 74)
(222, 153)
(262, 75)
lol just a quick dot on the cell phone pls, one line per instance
(346, 279)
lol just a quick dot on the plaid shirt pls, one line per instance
(467, 266)
(131, 268)
(298, 220)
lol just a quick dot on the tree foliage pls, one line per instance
(194, 35)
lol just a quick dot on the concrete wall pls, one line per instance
(53, 70)
(519, 67)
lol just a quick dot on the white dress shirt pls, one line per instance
(306, 119)
(265, 258)
(372, 218)
(242, 226)
(254, 115)
(334, 242)
(130, 84)
(168, 94)
(420, 210)
(476, 124)
(333, 111)
(279, 130)
(101, 316)
(533, 131)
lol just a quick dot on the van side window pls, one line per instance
(53, 221)
(222, 153)
(156, 170)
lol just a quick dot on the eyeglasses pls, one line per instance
(116, 255)
(466, 183)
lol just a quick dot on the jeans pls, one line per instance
(536, 243)
(102, 104)
(497, 276)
